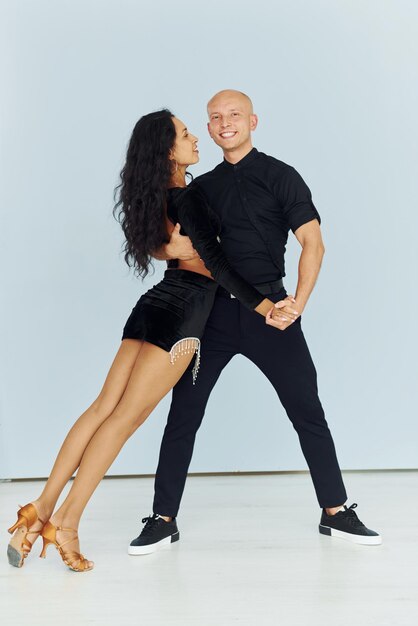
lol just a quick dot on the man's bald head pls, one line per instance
(230, 95)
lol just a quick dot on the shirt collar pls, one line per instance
(244, 161)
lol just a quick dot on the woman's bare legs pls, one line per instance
(152, 377)
(75, 443)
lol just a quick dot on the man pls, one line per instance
(258, 199)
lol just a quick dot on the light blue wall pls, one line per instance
(335, 87)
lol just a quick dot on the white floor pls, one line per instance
(249, 554)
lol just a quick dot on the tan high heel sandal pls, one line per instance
(20, 546)
(49, 535)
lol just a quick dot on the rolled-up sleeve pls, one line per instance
(295, 199)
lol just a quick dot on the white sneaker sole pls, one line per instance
(154, 547)
(365, 540)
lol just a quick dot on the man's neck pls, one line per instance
(236, 155)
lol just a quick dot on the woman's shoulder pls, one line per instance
(186, 196)
(191, 188)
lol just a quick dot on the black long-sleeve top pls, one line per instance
(188, 207)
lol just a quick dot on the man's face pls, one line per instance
(231, 121)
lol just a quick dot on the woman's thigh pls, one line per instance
(152, 377)
(118, 376)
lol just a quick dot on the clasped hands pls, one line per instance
(284, 313)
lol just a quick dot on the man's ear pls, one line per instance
(253, 121)
(208, 127)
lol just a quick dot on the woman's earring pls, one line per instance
(177, 167)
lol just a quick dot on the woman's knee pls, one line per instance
(131, 418)
(102, 407)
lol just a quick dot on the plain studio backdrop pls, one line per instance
(335, 88)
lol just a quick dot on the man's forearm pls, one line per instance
(309, 266)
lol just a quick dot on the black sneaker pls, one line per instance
(156, 534)
(346, 525)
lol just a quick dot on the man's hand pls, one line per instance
(180, 247)
(284, 313)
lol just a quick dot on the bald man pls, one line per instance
(259, 199)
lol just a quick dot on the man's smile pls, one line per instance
(227, 134)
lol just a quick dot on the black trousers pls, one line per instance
(284, 358)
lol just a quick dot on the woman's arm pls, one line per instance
(193, 215)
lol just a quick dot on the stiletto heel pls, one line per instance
(26, 516)
(20, 546)
(49, 535)
(20, 522)
(46, 543)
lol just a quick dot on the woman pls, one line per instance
(160, 337)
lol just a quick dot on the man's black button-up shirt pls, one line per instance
(258, 200)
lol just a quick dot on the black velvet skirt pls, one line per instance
(173, 314)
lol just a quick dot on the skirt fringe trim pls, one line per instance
(187, 346)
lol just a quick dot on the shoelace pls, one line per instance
(351, 516)
(150, 524)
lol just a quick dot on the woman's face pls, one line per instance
(185, 150)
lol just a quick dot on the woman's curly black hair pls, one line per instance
(141, 196)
